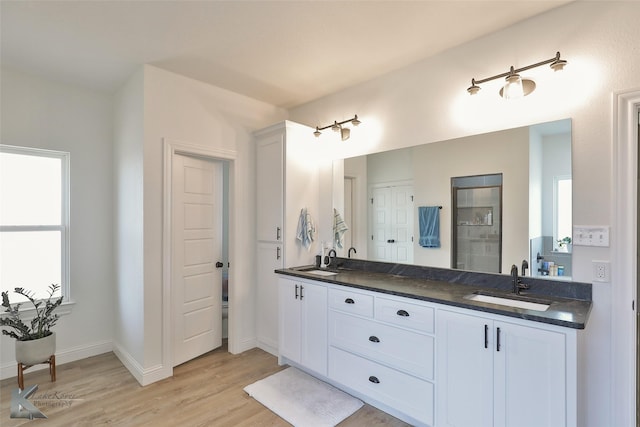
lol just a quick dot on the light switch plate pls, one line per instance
(591, 235)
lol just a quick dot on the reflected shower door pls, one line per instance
(477, 223)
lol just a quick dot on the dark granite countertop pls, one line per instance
(569, 302)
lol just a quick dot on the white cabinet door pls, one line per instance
(270, 187)
(314, 327)
(290, 314)
(464, 364)
(269, 258)
(494, 373)
(303, 324)
(530, 383)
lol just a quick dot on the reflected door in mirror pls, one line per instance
(391, 213)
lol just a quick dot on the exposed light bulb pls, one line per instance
(513, 89)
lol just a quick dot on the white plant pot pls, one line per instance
(37, 351)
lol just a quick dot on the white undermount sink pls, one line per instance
(322, 272)
(528, 305)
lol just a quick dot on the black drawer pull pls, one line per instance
(403, 313)
(373, 338)
(349, 301)
(498, 340)
(374, 380)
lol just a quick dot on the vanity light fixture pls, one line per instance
(336, 126)
(516, 86)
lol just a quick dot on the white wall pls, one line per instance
(427, 102)
(44, 114)
(555, 150)
(128, 222)
(185, 110)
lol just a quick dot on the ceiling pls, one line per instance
(285, 53)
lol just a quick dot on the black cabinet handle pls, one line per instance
(498, 340)
(403, 313)
(349, 301)
(486, 336)
(277, 233)
(374, 380)
(301, 289)
(391, 241)
(296, 291)
(373, 338)
(278, 255)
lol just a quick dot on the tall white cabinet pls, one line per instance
(286, 182)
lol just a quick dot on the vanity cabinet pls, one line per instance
(430, 364)
(303, 324)
(384, 348)
(492, 372)
(284, 185)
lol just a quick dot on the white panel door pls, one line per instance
(196, 283)
(270, 181)
(379, 249)
(269, 259)
(391, 224)
(402, 224)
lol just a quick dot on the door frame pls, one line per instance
(172, 148)
(624, 249)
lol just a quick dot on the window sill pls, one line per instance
(29, 313)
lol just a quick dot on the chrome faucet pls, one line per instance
(517, 284)
(331, 258)
(349, 252)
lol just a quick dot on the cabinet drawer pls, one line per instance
(403, 392)
(406, 314)
(404, 350)
(351, 302)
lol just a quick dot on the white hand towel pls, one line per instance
(339, 228)
(306, 228)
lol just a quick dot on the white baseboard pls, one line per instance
(269, 347)
(10, 369)
(143, 376)
(241, 346)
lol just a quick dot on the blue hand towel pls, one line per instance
(429, 221)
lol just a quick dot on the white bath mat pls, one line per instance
(303, 400)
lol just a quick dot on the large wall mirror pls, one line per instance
(383, 193)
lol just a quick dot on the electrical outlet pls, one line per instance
(601, 271)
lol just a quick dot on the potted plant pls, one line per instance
(35, 342)
(564, 244)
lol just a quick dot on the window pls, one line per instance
(563, 209)
(34, 220)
